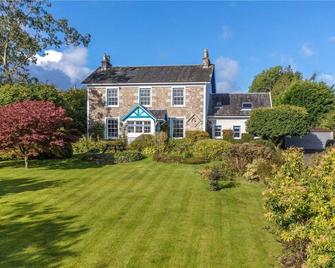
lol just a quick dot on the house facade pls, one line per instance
(139, 100)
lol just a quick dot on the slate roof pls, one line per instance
(230, 104)
(159, 114)
(151, 74)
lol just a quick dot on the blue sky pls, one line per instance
(243, 38)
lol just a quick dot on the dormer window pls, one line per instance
(246, 106)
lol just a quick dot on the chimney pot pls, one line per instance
(205, 60)
(105, 64)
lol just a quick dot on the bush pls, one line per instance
(216, 173)
(88, 144)
(161, 141)
(141, 142)
(299, 201)
(240, 155)
(179, 146)
(128, 156)
(210, 149)
(148, 151)
(167, 157)
(246, 137)
(10, 154)
(96, 130)
(193, 136)
(227, 135)
(194, 161)
(258, 170)
(98, 158)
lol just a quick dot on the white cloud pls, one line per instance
(227, 71)
(226, 32)
(306, 50)
(327, 78)
(70, 63)
(332, 38)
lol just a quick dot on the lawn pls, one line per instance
(142, 214)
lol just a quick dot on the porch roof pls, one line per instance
(138, 112)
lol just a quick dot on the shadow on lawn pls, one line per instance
(11, 186)
(37, 236)
(72, 163)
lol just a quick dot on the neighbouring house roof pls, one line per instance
(151, 74)
(230, 104)
(138, 112)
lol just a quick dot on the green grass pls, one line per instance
(142, 214)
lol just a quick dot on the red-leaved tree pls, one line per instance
(33, 127)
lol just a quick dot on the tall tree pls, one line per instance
(275, 80)
(27, 28)
(316, 97)
(74, 102)
(34, 127)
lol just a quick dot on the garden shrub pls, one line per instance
(88, 144)
(210, 149)
(227, 135)
(98, 158)
(246, 137)
(194, 161)
(300, 204)
(193, 136)
(128, 156)
(240, 155)
(258, 170)
(179, 146)
(97, 130)
(161, 141)
(141, 142)
(10, 154)
(215, 173)
(167, 157)
(148, 151)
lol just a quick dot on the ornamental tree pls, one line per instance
(34, 127)
(316, 97)
(277, 122)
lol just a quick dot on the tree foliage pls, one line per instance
(34, 127)
(328, 121)
(10, 93)
(316, 97)
(277, 122)
(27, 28)
(300, 203)
(275, 79)
(74, 102)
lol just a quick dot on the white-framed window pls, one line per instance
(178, 96)
(138, 126)
(236, 132)
(217, 131)
(112, 128)
(246, 105)
(144, 96)
(177, 127)
(112, 98)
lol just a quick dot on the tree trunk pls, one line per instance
(5, 63)
(26, 161)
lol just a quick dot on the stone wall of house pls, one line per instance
(161, 99)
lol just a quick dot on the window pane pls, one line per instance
(246, 105)
(112, 97)
(145, 96)
(178, 128)
(112, 128)
(236, 130)
(147, 127)
(217, 131)
(178, 96)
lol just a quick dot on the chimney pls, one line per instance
(205, 60)
(105, 64)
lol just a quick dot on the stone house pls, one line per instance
(137, 100)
